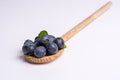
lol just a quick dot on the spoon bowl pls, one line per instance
(69, 35)
(45, 59)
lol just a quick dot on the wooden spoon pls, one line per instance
(68, 35)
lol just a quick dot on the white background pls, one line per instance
(92, 54)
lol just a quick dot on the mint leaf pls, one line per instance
(65, 46)
(42, 33)
(28, 54)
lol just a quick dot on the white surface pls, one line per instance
(93, 54)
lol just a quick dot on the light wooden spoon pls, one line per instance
(69, 34)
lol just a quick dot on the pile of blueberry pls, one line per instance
(43, 45)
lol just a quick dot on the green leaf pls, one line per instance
(42, 33)
(28, 54)
(65, 46)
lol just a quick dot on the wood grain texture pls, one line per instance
(43, 60)
(69, 35)
(85, 22)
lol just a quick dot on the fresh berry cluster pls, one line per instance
(43, 45)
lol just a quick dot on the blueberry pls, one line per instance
(36, 38)
(28, 47)
(47, 39)
(51, 38)
(60, 42)
(44, 40)
(52, 48)
(40, 52)
(37, 42)
(28, 41)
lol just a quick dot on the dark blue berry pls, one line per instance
(60, 42)
(40, 52)
(37, 42)
(47, 39)
(28, 42)
(52, 48)
(28, 47)
(36, 38)
(44, 40)
(51, 38)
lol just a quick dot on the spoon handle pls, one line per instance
(85, 22)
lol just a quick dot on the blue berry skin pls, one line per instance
(29, 42)
(28, 47)
(44, 40)
(51, 38)
(36, 38)
(37, 42)
(40, 52)
(60, 42)
(47, 39)
(52, 48)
